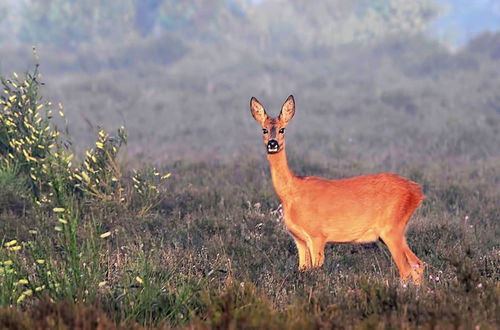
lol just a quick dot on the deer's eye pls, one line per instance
(282, 130)
(265, 131)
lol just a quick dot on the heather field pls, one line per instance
(135, 192)
(106, 238)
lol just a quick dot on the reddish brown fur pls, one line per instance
(360, 209)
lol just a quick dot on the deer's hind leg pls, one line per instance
(417, 266)
(396, 242)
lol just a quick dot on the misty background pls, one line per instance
(382, 80)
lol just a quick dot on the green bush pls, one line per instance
(62, 257)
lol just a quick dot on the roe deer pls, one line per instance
(360, 209)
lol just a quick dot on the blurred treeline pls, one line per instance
(368, 81)
(271, 28)
(70, 23)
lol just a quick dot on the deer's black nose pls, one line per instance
(272, 146)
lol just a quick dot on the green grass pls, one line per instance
(91, 242)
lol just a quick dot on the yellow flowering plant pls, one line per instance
(100, 173)
(147, 185)
(33, 149)
(26, 135)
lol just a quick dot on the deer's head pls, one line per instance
(273, 129)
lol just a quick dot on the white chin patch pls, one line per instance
(272, 151)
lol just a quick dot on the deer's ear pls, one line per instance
(258, 111)
(288, 109)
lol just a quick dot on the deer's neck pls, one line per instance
(283, 177)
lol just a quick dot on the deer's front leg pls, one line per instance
(304, 255)
(317, 248)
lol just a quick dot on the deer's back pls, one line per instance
(353, 209)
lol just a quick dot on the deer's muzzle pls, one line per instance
(272, 146)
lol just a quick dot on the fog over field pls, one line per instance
(369, 82)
